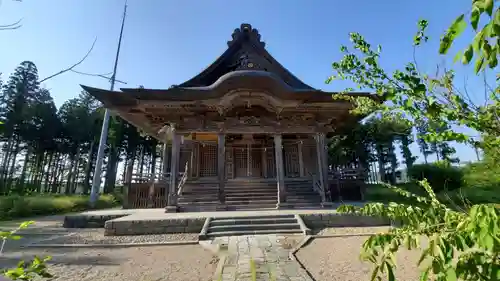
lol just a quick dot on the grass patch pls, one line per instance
(458, 197)
(15, 206)
(479, 184)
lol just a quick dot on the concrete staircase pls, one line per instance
(253, 225)
(247, 195)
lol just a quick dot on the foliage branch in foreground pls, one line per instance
(25, 270)
(432, 98)
(459, 245)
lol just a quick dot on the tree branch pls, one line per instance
(73, 66)
(11, 26)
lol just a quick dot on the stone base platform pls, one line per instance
(156, 221)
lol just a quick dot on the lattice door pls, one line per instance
(256, 161)
(208, 160)
(240, 161)
(229, 163)
(184, 156)
(271, 163)
(309, 158)
(291, 161)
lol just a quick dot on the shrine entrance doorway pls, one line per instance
(248, 161)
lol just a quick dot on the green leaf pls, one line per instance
(375, 273)
(451, 275)
(15, 237)
(493, 62)
(26, 224)
(456, 28)
(390, 272)
(457, 57)
(468, 55)
(479, 65)
(424, 276)
(474, 17)
(488, 6)
(488, 242)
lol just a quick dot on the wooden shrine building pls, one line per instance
(243, 122)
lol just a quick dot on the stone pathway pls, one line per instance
(262, 257)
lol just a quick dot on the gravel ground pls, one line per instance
(54, 235)
(352, 230)
(96, 236)
(290, 241)
(183, 263)
(337, 259)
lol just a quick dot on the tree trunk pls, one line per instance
(38, 170)
(72, 161)
(13, 165)
(110, 179)
(88, 169)
(48, 171)
(394, 163)
(55, 168)
(3, 177)
(381, 163)
(124, 174)
(75, 172)
(22, 179)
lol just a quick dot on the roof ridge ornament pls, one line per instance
(246, 31)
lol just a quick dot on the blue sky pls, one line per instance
(167, 42)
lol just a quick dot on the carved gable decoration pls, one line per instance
(245, 30)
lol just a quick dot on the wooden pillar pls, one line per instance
(280, 171)
(324, 158)
(164, 166)
(321, 151)
(164, 170)
(174, 171)
(301, 160)
(319, 161)
(221, 166)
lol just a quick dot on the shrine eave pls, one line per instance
(241, 80)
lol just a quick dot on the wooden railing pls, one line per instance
(183, 180)
(148, 177)
(317, 186)
(348, 182)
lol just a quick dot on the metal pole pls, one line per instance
(96, 181)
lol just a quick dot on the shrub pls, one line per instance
(15, 206)
(439, 175)
(482, 175)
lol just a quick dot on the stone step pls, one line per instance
(250, 220)
(251, 207)
(208, 203)
(237, 200)
(254, 232)
(231, 226)
(274, 193)
(252, 227)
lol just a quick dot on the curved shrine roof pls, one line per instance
(245, 51)
(244, 66)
